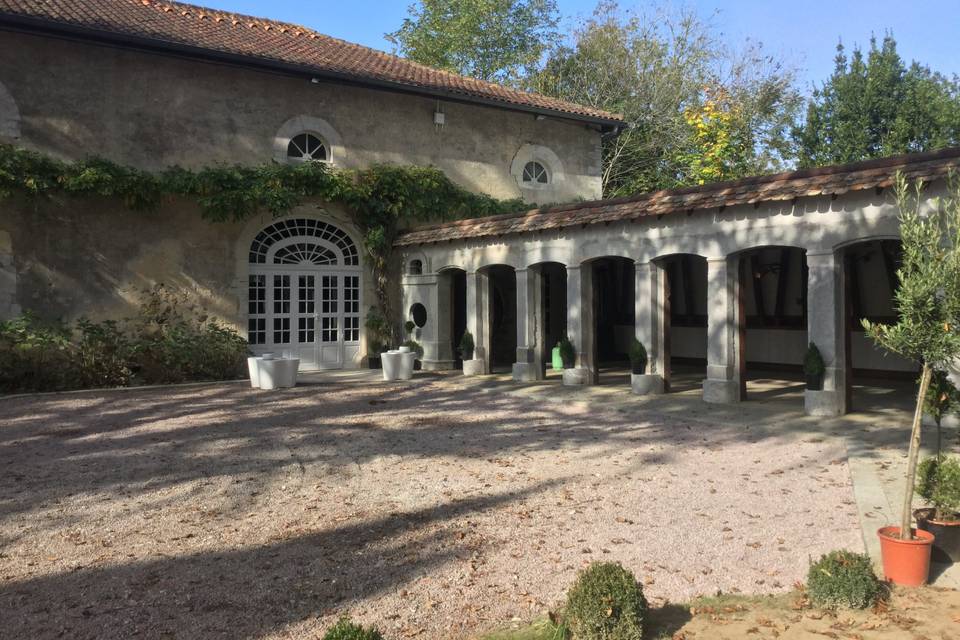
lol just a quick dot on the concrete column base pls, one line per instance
(646, 384)
(474, 367)
(576, 377)
(721, 391)
(525, 372)
(822, 403)
(438, 365)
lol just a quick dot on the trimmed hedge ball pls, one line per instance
(606, 603)
(843, 579)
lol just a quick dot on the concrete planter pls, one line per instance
(278, 374)
(575, 377)
(644, 384)
(398, 365)
(473, 367)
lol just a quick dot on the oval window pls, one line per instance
(419, 314)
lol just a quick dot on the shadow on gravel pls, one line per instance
(56, 446)
(246, 593)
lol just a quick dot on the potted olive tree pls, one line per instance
(571, 375)
(927, 331)
(938, 482)
(471, 366)
(641, 382)
(813, 368)
(942, 400)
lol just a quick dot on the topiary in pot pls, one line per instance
(638, 357)
(813, 368)
(409, 326)
(938, 483)
(347, 630)
(467, 346)
(606, 603)
(843, 579)
(567, 353)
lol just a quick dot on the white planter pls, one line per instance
(575, 377)
(390, 364)
(644, 384)
(473, 367)
(253, 366)
(278, 374)
(398, 364)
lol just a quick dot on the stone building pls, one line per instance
(726, 279)
(718, 281)
(152, 84)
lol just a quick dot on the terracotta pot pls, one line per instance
(905, 562)
(946, 534)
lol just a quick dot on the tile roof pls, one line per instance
(833, 180)
(258, 40)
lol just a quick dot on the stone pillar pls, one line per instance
(723, 349)
(437, 334)
(478, 314)
(580, 323)
(527, 367)
(649, 328)
(825, 328)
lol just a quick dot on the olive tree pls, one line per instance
(927, 302)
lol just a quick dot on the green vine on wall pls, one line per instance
(382, 199)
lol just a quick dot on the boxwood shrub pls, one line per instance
(843, 579)
(606, 603)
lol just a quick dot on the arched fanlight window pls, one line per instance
(295, 236)
(534, 173)
(415, 268)
(305, 147)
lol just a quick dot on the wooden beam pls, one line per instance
(887, 254)
(666, 325)
(686, 280)
(782, 284)
(741, 303)
(856, 303)
(757, 286)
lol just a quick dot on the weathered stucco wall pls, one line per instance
(152, 111)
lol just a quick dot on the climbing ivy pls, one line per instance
(382, 199)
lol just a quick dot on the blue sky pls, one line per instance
(804, 32)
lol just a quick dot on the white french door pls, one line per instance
(312, 314)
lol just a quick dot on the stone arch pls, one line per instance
(9, 115)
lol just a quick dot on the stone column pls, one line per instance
(825, 328)
(580, 323)
(527, 367)
(723, 350)
(437, 334)
(647, 318)
(478, 314)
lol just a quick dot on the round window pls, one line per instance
(306, 146)
(534, 173)
(419, 314)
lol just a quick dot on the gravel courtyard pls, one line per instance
(434, 510)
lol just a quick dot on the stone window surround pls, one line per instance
(543, 155)
(336, 154)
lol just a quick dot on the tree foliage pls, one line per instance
(495, 40)
(666, 73)
(874, 105)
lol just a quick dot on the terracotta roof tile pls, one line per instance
(259, 39)
(834, 180)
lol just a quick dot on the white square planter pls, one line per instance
(473, 367)
(278, 374)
